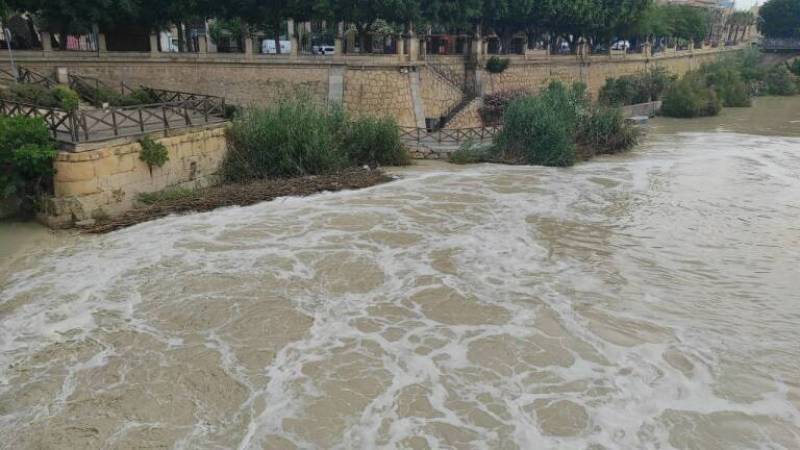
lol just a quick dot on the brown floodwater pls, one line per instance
(642, 301)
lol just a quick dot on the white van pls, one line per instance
(268, 47)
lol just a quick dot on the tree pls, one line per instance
(780, 19)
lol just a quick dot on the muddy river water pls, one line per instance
(643, 301)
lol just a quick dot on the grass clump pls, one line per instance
(26, 160)
(166, 195)
(470, 153)
(297, 137)
(691, 97)
(494, 105)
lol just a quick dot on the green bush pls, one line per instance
(67, 98)
(497, 65)
(297, 137)
(639, 88)
(691, 97)
(724, 76)
(541, 130)
(26, 159)
(373, 142)
(778, 81)
(794, 66)
(153, 153)
(292, 138)
(33, 94)
(603, 130)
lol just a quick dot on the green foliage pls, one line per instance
(633, 89)
(687, 23)
(60, 96)
(153, 153)
(32, 93)
(98, 94)
(470, 153)
(497, 65)
(778, 81)
(724, 76)
(67, 98)
(603, 130)
(166, 195)
(794, 66)
(691, 97)
(373, 142)
(541, 130)
(26, 159)
(780, 19)
(297, 137)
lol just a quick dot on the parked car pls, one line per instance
(621, 45)
(323, 50)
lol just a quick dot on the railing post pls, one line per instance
(141, 119)
(85, 127)
(186, 114)
(206, 107)
(164, 116)
(114, 121)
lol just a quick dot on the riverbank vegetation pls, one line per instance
(556, 127)
(26, 161)
(297, 137)
(730, 81)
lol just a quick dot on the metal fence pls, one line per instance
(101, 124)
(448, 136)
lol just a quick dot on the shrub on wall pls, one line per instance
(794, 66)
(496, 64)
(153, 153)
(26, 160)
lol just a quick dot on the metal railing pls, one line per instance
(102, 124)
(448, 135)
(25, 75)
(61, 123)
(781, 44)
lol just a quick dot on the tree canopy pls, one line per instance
(573, 19)
(780, 19)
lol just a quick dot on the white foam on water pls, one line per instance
(487, 307)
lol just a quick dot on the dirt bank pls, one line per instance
(242, 195)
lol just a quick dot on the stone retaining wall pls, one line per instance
(103, 180)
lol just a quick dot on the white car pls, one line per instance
(621, 45)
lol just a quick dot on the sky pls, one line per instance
(747, 4)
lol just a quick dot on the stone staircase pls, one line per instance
(468, 94)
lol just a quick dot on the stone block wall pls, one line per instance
(240, 83)
(379, 92)
(105, 180)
